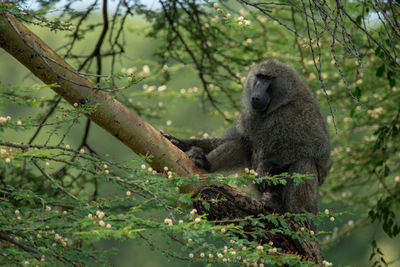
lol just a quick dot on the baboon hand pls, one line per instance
(178, 143)
(199, 158)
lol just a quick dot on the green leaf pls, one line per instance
(380, 70)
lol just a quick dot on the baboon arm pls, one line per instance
(207, 144)
(232, 155)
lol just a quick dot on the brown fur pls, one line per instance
(289, 136)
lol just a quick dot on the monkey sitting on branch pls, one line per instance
(280, 130)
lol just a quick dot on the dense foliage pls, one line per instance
(57, 198)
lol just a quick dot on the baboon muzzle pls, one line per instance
(259, 95)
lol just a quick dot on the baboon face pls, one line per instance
(268, 86)
(260, 95)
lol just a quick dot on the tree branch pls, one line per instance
(130, 129)
(108, 113)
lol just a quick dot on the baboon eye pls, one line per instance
(262, 81)
(262, 76)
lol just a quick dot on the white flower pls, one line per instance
(131, 70)
(48, 208)
(169, 122)
(193, 212)
(332, 219)
(162, 88)
(108, 226)
(223, 230)
(260, 248)
(146, 70)
(191, 255)
(90, 215)
(102, 223)
(253, 172)
(7, 160)
(128, 193)
(216, 5)
(219, 255)
(248, 41)
(5, 119)
(198, 219)
(202, 255)
(180, 221)
(71, 28)
(143, 166)
(19, 123)
(16, 212)
(82, 151)
(326, 263)
(100, 215)
(326, 211)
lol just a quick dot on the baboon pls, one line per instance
(281, 129)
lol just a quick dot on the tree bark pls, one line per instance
(109, 113)
(225, 202)
(134, 132)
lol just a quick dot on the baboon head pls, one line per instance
(270, 85)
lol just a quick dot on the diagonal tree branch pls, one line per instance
(130, 129)
(108, 113)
